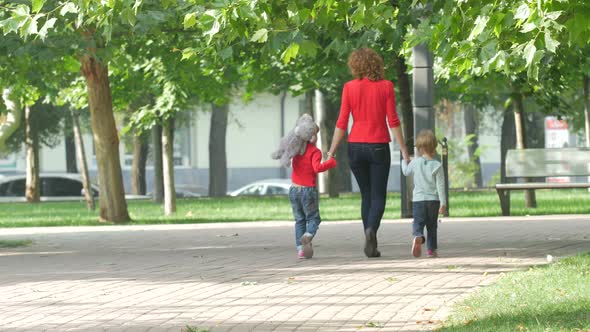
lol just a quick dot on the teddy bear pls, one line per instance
(296, 140)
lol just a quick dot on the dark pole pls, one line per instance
(445, 164)
(423, 100)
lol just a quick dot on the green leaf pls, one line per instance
(550, 43)
(190, 20)
(37, 5)
(480, 24)
(528, 27)
(45, 28)
(22, 10)
(71, 64)
(523, 12)
(553, 15)
(260, 36)
(226, 53)
(529, 52)
(68, 8)
(290, 53)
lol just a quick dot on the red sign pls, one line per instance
(553, 123)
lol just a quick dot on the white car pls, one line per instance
(53, 187)
(264, 187)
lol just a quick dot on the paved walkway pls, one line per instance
(245, 277)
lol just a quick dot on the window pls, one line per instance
(253, 190)
(54, 186)
(276, 190)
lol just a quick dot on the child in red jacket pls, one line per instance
(304, 194)
(298, 148)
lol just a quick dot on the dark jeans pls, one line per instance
(306, 211)
(370, 164)
(426, 214)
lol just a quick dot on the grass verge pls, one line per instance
(233, 209)
(550, 298)
(15, 243)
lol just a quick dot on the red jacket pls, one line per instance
(308, 165)
(370, 102)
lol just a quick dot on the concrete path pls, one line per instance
(245, 276)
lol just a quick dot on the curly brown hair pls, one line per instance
(365, 62)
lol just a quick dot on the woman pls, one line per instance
(371, 100)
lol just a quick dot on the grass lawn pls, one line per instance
(15, 243)
(347, 207)
(550, 298)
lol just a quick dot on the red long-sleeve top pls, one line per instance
(371, 103)
(308, 165)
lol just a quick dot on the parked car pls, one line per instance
(186, 191)
(53, 187)
(264, 187)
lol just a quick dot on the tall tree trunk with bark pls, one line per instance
(308, 104)
(339, 179)
(587, 108)
(70, 146)
(507, 140)
(32, 191)
(472, 128)
(168, 163)
(81, 154)
(282, 170)
(407, 115)
(140, 152)
(157, 153)
(113, 206)
(217, 151)
(519, 122)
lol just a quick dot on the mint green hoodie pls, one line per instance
(429, 180)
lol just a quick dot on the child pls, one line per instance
(429, 198)
(303, 193)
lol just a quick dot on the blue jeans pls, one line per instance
(426, 215)
(370, 163)
(306, 210)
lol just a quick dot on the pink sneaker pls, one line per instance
(431, 253)
(300, 254)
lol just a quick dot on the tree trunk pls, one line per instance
(471, 128)
(407, 116)
(113, 206)
(519, 122)
(339, 179)
(140, 151)
(217, 154)
(70, 146)
(158, 190)
(13, 117)
(507, 140)
(32, 192)
(308, 104)
(81, 154)
(168, 163)
(282, 170)
(587, 108)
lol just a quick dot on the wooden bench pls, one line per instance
(543, 163)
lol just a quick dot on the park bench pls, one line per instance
(554, 162)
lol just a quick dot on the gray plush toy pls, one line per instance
(296, 140)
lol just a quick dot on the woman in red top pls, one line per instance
(371, 100)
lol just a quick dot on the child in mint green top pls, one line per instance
(428, 198)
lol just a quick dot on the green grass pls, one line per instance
(548, 298)
(15, 243)
(347, 207)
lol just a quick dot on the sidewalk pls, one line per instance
(246, 277)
